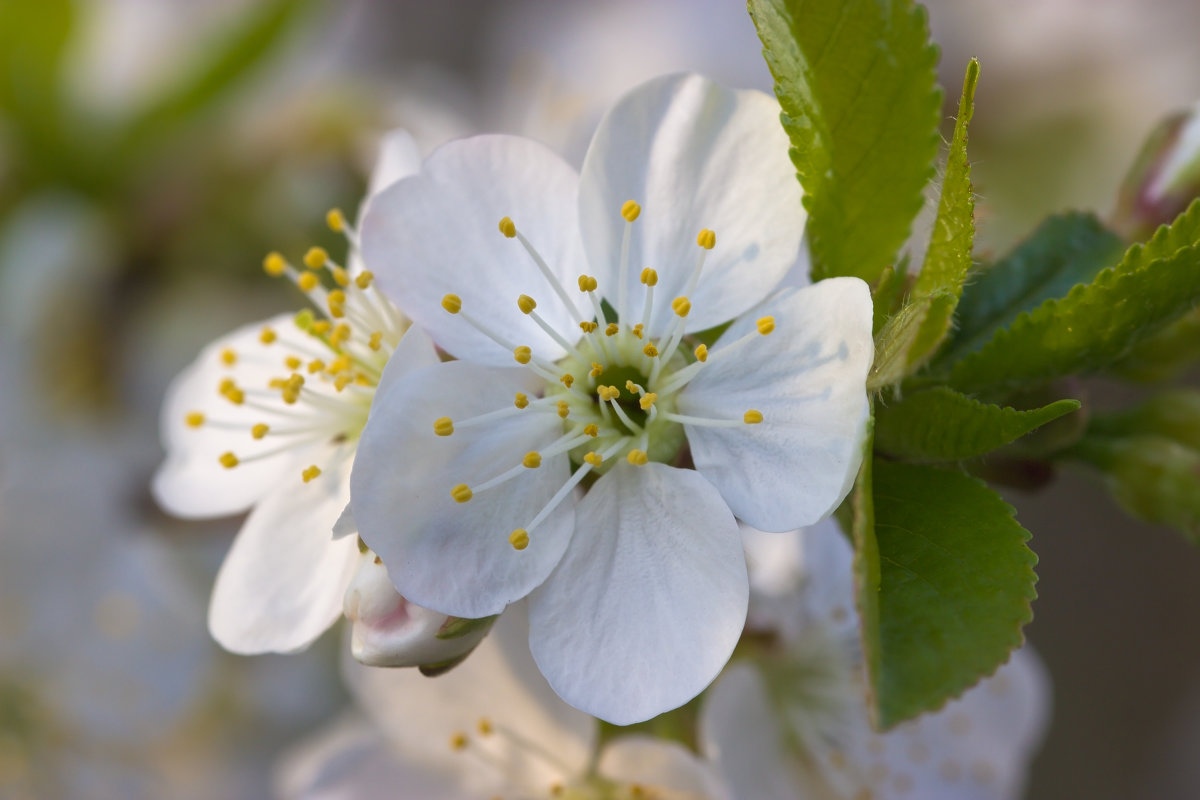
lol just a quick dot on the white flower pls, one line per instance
(491, 728)
(796, 725)
(267, 419)
(467, 481)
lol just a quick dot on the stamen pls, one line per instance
(267, 336)
(307, 281)
(194, 419)
(594, 458)
(459, 742)
(274, 264)
(228, 357)
(564, 490)
(532, 460)
(522, 354)
(336, 220)
(527, 306)
(228, 460)
(567, 380)
(751, 417)
(521, 400)
(591, 429)
(647, 400)
(293, 362)
(701, 353)
(765, 325)
(311, 473)
(509, 229)
(315, 258)
(260, 430)
(519, 539)
(630, 211)
(564, 408)
(649, 280)
(637, 457)
(461, 493)
(681, 306)
(443, 426)
(706, 239)
(485, 727)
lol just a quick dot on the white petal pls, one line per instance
(415, 350)
(808, 379)
(192, 482)
(398, 158)
(696, 156)
(436, 233)
(500, 683)
(657, 764)
(283, 581)
(648, 601)
(456, 557)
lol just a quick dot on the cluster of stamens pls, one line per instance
(327, 379)
(616, 387)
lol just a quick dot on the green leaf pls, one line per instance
(1065, 250)
(858, 87)
(942, 425)
(956, 584)
(861, 524)
(899, 338)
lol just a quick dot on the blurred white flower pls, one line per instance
(796, 724)
(639, 588)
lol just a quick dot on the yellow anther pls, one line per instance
(293, 362)
(765, 325)
(588, 327)
(532, 460)
(340, 364)
(226, 385)
(342, 381)
(362, 379)
(194, 419)
(295, 380)
(591, 429)
(650, 350)
(340, 276)
(376, 340)
(336, 220)
(321, 327)
(587, 283)
(315, 366)
(339, 334)
(752, 417)
(636, 330)
(567, 380)
(647, 400)
(260, 430)
(337, 297)
(307, 281)
(232, 393)
(526, 303)
(706, 239)
(508, 227)
(461, 493)
(630, 210)
(228, 460)
(311, 473)
(443, 426)
(459, 741)
(523, 354)
(452, 303)
(631, 387)
(563, 409)
(364, 279)
(277, 383)
(303, 319)
(681, 306)
(290, 396)
(484, 726)
(274, 265)
(521, 400)
(611, 329)
(649, 277)
(557, 789)
(701, 352)
(228, 357)
(519, 539)
(597, 370)
(637, 457)
(315, 258)
(594, 458)
(267, 336)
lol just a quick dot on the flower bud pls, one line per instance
(1164, 179)
(389, 631)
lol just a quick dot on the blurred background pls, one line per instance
(151, 151)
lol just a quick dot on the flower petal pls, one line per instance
(695, 155)
(657, 764)
(808, 379)
(435, 233)
(648, 601)
(398, 158)
(283, 581)
(448, 556)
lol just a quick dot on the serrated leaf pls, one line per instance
(897, 340)
(884, 296)
(857, 83)
(940, 424)
(1064, 251)
(956, 584)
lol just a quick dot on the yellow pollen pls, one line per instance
(311, 473)
(267, 336)
(295, 380)
(228, 357)
(315, 258)
(649, 277)
(594, 458)
(307, 281)
(459, 742)
(588, 327)
(228, 460)
(631, 387)
(277, 383)
(681, 306)
(290, 396)
(636, 330)
(752, 417)
(508, 227)
(340, 364)
(340, 276)
(532, 460)
(364, 279)
(630, 210)
(519, 539)
(597, 369)
(523, 354)
(567, 380)
(706, 239)
(225, 385)
(611, 329)
(303, 319)
(461, 493)
(376, 340)
(293, 362)
(637, 457)
(274, 265)
(484, 726)
(337, 297)
(341, 333)
(521, 400)
(526, 303)
(647, 400)
(342, 381)
(443, 426)
(232, 393)
(194, 419)
(362, 379)
(587, 283)
(765, 325)
(321, 327)
(650, 350)
(701, 352)
(452, 303)
(260, 430)
(315, 366)
(336, 220)
(563, 409)
(591, 429)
